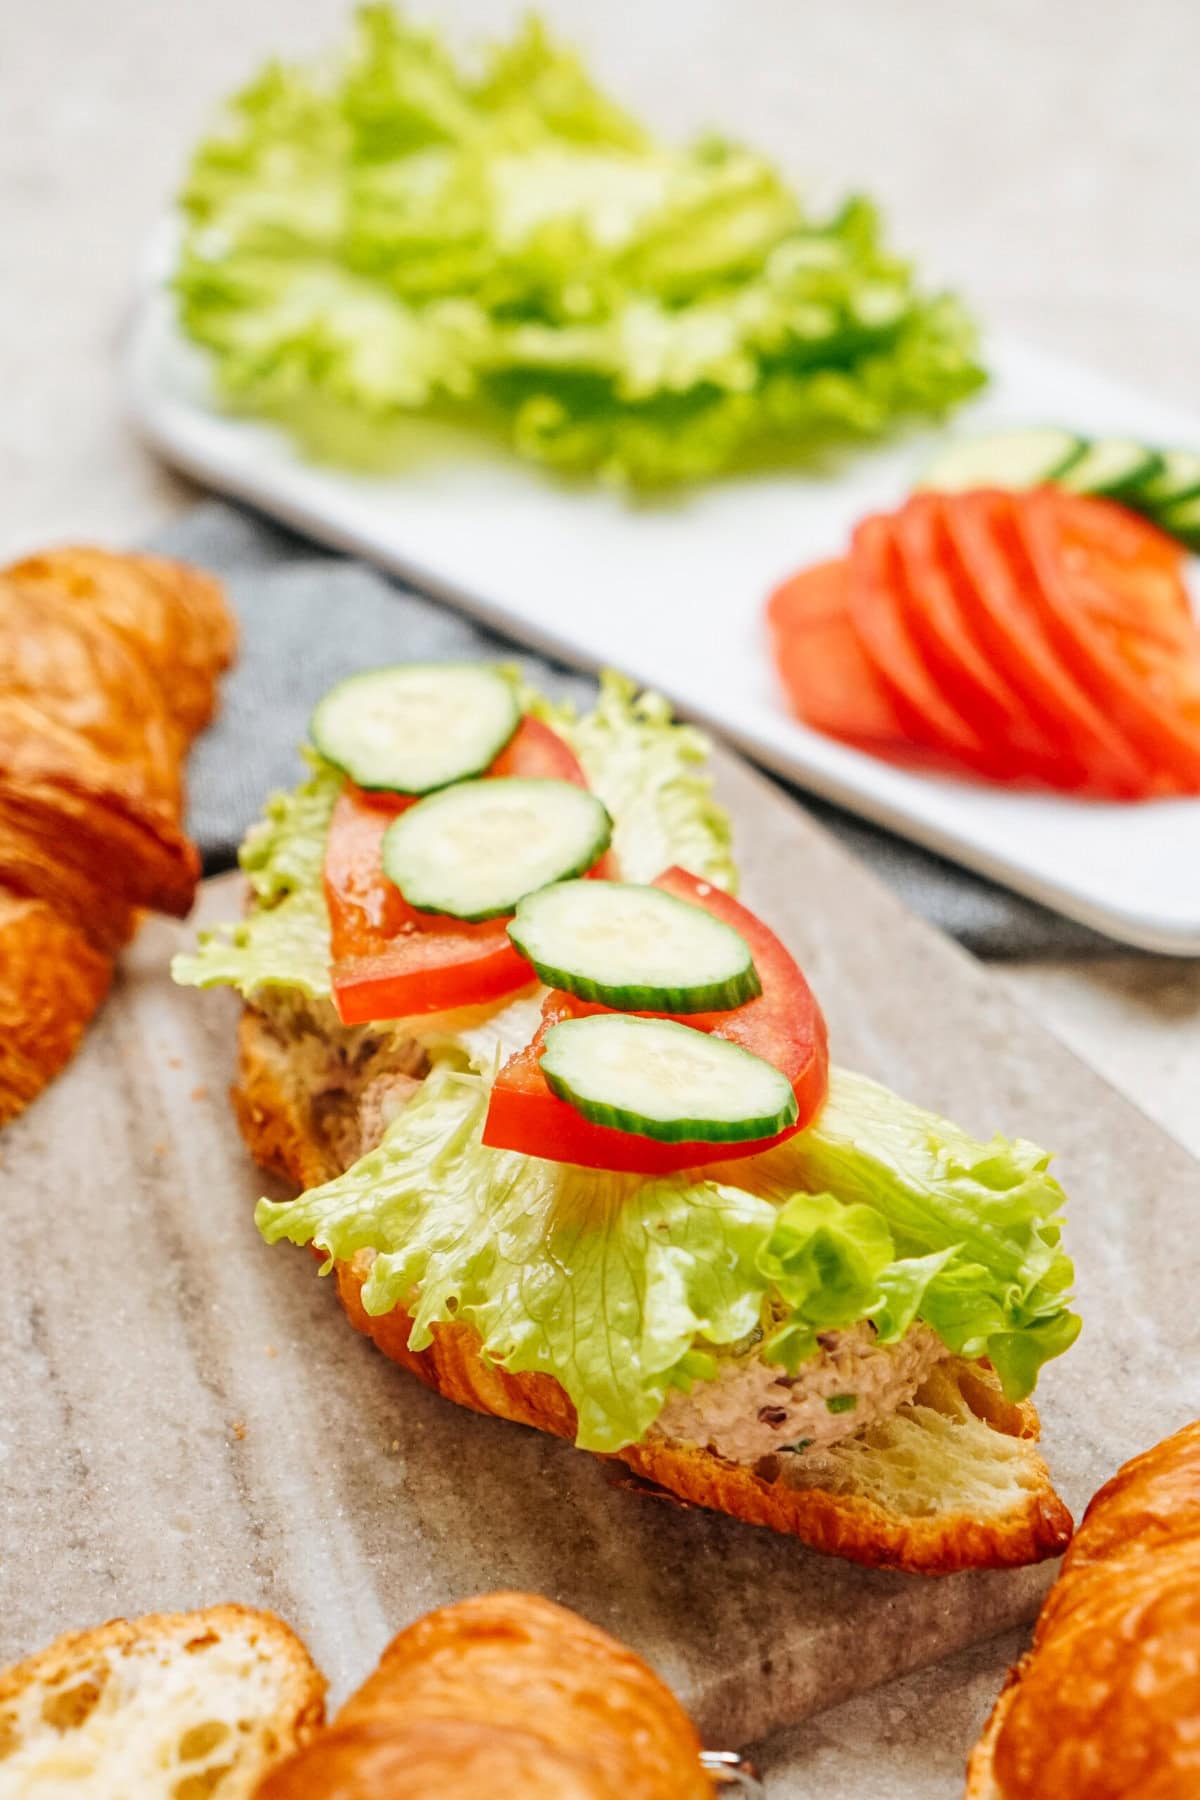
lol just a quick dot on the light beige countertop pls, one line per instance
(1039, 154)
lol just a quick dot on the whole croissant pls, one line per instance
(1106, 1705)
(108, 668)
(506, 1696)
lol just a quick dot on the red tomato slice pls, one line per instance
(1149, 687)
(1134, 571)
(939, 612)
(392, 962)
(880, 606)
(1006, 618)
(828, 677)
(784, 1025)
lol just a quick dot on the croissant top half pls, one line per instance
(506, 1696)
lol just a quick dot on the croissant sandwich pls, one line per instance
(108, 667)
(175, 1706)
(1106, 1705)
(506, 1695)
(570, 1140)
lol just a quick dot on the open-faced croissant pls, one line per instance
(1106, 1705)
(108, 668)
(507, 1696)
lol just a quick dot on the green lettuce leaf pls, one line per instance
(648, 770)
(623, 1287)
(652, 774)
(283, 941)
(388, 236)
(604, 1281)
(992, 1210)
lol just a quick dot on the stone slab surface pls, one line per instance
(185, 1416)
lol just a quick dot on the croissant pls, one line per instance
(508, 1696)
(1106, 1705)
(108, 667)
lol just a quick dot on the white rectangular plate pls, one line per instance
(672, 591)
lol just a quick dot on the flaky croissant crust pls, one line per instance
(108, 666)
(506, 1695)
(1106, 1705)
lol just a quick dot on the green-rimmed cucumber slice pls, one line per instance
(474, 850)
(416, 727)
(1178, 479)
(1182, 520)
(1112, 469)
(659, 1079)
(1006, 459)
(634, 948)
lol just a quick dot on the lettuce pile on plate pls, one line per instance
(388, 236)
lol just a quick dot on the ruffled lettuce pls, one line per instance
(389, 236)
(283, 941)
(1003, 1291)
(652, 775)
(623, 1287)
(648, 770)
(603, 1281)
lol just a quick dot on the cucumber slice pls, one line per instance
(474, 850)
(1178, 479)
(659, 1079)
(1182, 520)
(635, 948)
(1112, 468)
(1008, 459)
(417, 726)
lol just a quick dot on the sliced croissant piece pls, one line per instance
(1106, 1705)
(52, 979)
(174, 1706)
(174, 616)
(954, 1480)
(87, 678)
(108, 665)
(505, 1695)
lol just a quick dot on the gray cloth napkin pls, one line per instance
(308, 617)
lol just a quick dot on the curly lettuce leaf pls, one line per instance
(283, 941)
(388, 236)
(652, 774)
(648, 770)
(992, 1211)
(605, 1282)
(621, 1286)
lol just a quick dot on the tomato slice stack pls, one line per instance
(1036, 638)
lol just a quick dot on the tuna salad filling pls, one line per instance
(752, 1407)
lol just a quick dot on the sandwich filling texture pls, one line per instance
(775, 1303)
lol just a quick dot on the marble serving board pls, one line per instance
(185, 1416)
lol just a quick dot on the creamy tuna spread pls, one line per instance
(752, 1407)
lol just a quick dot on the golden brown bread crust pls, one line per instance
(173, 616)
(442, 1757)
(84, 676)
(64, 807)
(503, 1694)
(278, 1126)
(1106, 1705)
(53, 981)
(108, 665)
